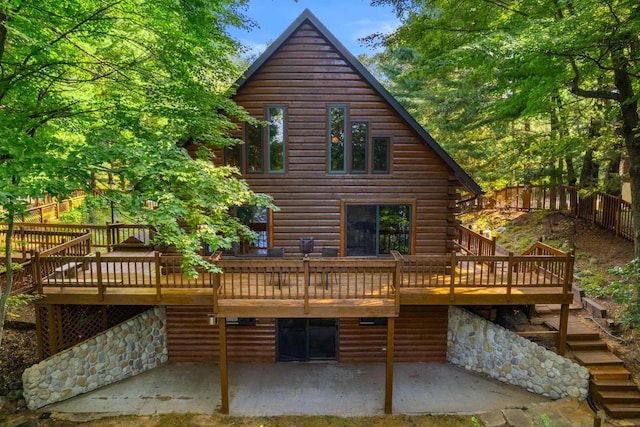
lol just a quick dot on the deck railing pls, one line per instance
(103, 272)
(475, 244)
(535, 269)
(102, 236)
(26, 239)
(605, 210)
(309, 278)
(316, 278)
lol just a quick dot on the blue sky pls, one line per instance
(348, 20)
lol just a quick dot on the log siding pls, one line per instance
(307, 74)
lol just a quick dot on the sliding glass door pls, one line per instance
(377, 229)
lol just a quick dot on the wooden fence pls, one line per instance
(607, 211)
(102, 236)
(51, 210)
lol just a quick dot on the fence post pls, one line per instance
(618, 215)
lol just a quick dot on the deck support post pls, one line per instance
(224, 368)
(563, 326)
(388, 381)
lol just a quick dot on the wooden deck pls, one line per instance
(306, 287)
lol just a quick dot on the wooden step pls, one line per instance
(613, 397)
(609, 373)
(597, 358)
(612, 385)
(590, 345)
(622, 410)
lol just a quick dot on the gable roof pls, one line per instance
(307, 16)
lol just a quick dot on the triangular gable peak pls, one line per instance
(308, 19)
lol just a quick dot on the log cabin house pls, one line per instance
(359, 263)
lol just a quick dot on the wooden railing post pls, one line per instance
(99, 274)
(216, 289)
(36, 271)
(452, 278)
(397, 280)
(158, 276)
(511, 265)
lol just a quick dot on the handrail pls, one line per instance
(310, 278)
(602, 209)
(103, 236)
(79, 246)
(474, 243)
(540, 248)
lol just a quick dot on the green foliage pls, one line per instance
(18, 301)
(594, 285)
(499, 85)
(625, 291)
(14, 266)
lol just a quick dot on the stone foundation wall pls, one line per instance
(481, 346)
(137, 345)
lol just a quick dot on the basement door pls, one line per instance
(303, 340)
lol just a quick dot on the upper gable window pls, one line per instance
(265, 147)
(254, 151)
(337, 138)
(359, 137)
(353, 151)
(381, 149)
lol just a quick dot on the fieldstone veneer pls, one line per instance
(481, 346)
(132, 347)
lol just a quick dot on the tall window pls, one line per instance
(381, 155)
(337, 138)
(265, 147)
(276, 139)
(254, 149)
(359, 137)
(350, 149)
(378, 229)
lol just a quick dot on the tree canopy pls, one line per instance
(99, 90)
(524, 91)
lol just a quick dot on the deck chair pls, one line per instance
(329, 253)
(276, 253)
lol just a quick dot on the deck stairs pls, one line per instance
(612, 388)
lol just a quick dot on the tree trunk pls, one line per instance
(571, 171)
(590, 170)
(612, 181)
(6, 292)
(630, 122)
